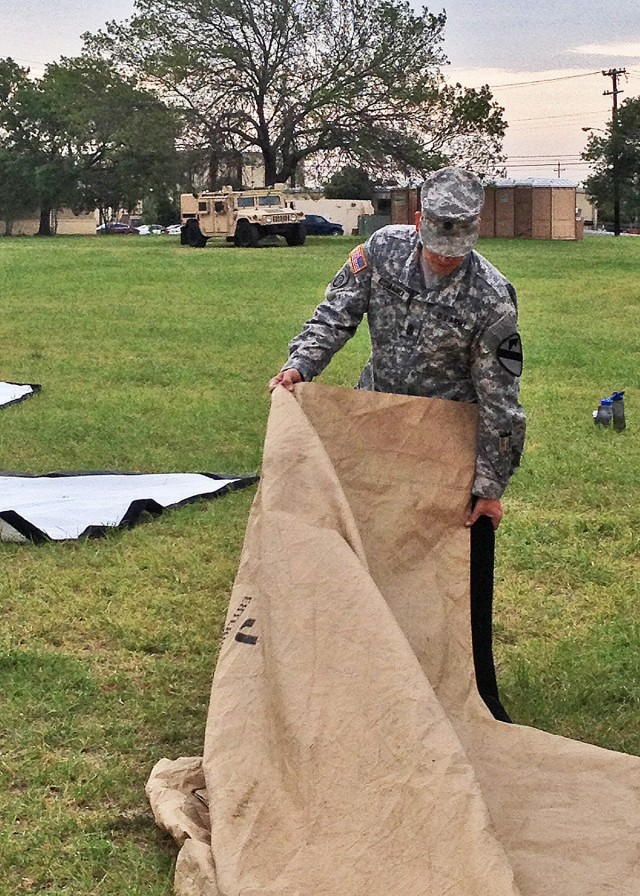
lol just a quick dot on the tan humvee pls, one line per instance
(241, 217)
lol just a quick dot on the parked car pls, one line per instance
(150, 229)
(173, 229)
(116, 227)
(318, 225)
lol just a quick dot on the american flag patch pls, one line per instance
(358, 260)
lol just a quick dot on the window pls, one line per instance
(202, 206)
(245, 201)
(269, 200)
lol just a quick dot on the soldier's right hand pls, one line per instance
(287, 378)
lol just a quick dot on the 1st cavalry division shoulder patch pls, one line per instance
(358, 260)
(509, 354)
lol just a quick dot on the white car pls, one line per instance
(151, 229)
(173, 229)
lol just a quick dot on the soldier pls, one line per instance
(442, 321)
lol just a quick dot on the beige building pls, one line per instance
(586, 208)
(340, 211)
(65, 222)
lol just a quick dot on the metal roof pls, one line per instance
(530, 182)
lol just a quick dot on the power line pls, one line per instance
(554, 155)
(541, 81)
(566, 115)
(28, 61)
(542, 159)
(549, 164)
(537, 128)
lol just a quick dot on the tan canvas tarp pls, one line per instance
(347, 751)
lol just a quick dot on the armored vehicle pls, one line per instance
(243, 217)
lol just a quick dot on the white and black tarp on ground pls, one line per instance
(68, 505)
(347, 749)
(11, 393)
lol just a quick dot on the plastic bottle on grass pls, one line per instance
(604, 414)
(619, 422)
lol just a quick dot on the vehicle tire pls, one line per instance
(246, 235)
(191, 235)
(296, 235)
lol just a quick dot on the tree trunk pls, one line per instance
(213, 168)
(287, 171)
(270, 170)
(45, 222)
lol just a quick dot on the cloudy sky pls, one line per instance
(543, 59)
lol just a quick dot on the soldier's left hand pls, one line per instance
(491, 507)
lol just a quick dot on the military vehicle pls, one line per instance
(243, 217)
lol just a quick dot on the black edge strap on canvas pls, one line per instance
(482, 562)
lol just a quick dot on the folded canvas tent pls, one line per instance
(68, 505)
(11, 393)
(347, 750)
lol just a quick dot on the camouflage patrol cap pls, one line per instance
(451, 200)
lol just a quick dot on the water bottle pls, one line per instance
(619, 422)
(604, 414)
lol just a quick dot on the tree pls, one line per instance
(350, 182)
(617, 155)
(33, 127)
(18, 195)
(92, 139)
(17, 172)
(351, 81)
(122, 138)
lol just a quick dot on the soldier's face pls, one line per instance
(442, 265)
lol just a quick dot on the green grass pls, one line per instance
(154, 357)
(567, 618)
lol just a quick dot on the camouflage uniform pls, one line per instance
(452, 337)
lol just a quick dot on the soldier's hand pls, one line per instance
(287, 378)
(491, 507)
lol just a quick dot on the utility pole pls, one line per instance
(614, 74)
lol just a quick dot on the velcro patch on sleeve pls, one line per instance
(358, 260)
(509, 354)
(341, 278)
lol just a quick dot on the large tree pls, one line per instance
(344, 81)
(18, 195)
(123, 137)
(35, 134)
(88, 137)
(616, 157)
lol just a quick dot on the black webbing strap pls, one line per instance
(483, 542)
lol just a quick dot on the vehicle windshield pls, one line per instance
(269, 200)
(245, 201)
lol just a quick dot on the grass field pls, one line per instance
(154, 357)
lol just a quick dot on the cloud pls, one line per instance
(627, 49)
